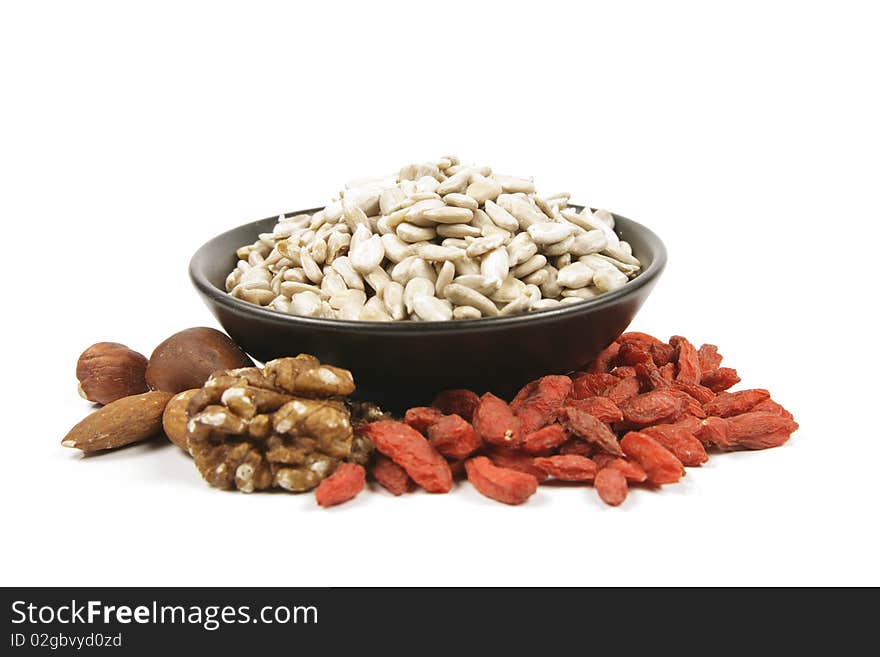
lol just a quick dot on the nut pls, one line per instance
(174, 418)
(188, 358)
(122, 422)
(108, 371)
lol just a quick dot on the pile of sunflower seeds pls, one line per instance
(436, 241)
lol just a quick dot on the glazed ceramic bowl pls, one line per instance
(400, 364)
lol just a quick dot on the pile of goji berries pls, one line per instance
(639, 414)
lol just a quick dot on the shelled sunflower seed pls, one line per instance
(435, 241)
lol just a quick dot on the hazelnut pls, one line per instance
(108, 371)
(174, 418)
(186, 359)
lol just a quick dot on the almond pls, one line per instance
(124, 421)
(174, 418)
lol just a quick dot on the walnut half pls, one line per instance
(283, 426)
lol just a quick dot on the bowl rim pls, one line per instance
(223, 298)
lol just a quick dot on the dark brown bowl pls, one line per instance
(400, 364)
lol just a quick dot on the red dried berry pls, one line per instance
(422, 417)
(700, 393)
(684, 445)
(689, 423)
(524, 393)
(735, 403)
(651, 378)
(611, 486)
(709, 357)
(641, 338)
(688, 361)
(652, 407)
(662, 353)
(344, 484)
(585, 384)
(667, 372)
(501, 484)
(515, 460)
(390, 476)
(659, 463)
(409, 449)
(545, 439)
(633, 353)
(539, 408)
(622, 390)
(624, 371)
(600, 408)
(567, 467)
(770, 406)
(587, 427)
(759, 430)
(576, 446)
(691, 405)
(630, 469)
(458, 402)
(453, 437)
(720, 379)
(712, 431)
(605, 361)
(495, 422)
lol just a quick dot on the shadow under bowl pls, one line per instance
(402, 364)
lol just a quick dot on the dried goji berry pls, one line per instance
(652, 407)
(686, 448)
(514, 459)
(662, 353)
(501, 484)
(453, 437)
(545, 439)
(735, 403)
(624, 371)
(586, 384)
(659, 463)
(636, 336)
(459, 402)
(700, 393)
(720, 379)
(390, 476)
(712, 431)
(770, 406)
(691, 405)
(605, 361)
(411, 451)
(709, 357)
(667, 372)
(586, 426)
(422, 417)
(576, 446)
(495, 422)
(524, 393)
(633, 353)
(611, 486)
(567, 467)
(344, 484)
(622, 390)
(540, 407)
(759, 430)
(689, 423)
(651, 378)
(688, 361)
(600, 408)
(629, 469)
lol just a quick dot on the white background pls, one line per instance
(747, 137)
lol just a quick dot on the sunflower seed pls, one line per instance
(461, 201)
(393, 299)
(444, 277)
(465, 296)
(429, 308)
(466, 312)
(530, 266)
(483, 189)
(411, 233)
(342, 265)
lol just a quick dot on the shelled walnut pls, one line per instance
(283, 426)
